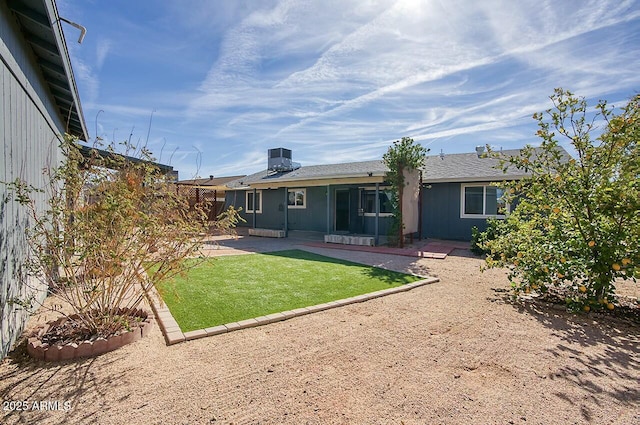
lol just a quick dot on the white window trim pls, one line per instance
(484, 202)
(246, 202)
(372, 189)
(304, 198)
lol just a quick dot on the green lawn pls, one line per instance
(228, 289)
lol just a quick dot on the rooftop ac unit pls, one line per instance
(280, 160)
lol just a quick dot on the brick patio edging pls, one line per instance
(70, 351)
(173, 334)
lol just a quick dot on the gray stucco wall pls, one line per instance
(28, 143)
(441, 213)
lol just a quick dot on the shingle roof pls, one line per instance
(313, 172)
(215, 181)
(438, 168)
(465, 167)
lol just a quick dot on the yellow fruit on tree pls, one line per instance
(582, 289)
(592, 244)
(556, 210)
(610, 306)
(626, 261)
(616, 266)
(586, 308)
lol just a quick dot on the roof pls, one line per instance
(113, 159)
(316, 175)
(41, 26)
(209, 182)
(465, 167)
(460, 167)
(469, 167)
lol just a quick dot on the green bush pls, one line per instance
(576, 227)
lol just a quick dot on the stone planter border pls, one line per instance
(53, 353)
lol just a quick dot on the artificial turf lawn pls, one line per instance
(233, 288)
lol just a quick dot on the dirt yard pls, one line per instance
(454, 352)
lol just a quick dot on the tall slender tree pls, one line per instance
(403, 155)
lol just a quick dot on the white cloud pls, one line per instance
(339, 80)
(102, 50)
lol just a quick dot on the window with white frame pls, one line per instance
(297, 198)
(482, 201)
(254, 205)
(368, 202)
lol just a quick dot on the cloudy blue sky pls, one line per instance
(339, 81)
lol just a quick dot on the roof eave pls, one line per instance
(497, 178)
(66, 61)
(55, 63)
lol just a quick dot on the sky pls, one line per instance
(210, 85)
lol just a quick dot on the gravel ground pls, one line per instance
(454, 352)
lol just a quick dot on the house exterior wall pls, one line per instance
(314, 216)
(29, 129)
(441, 213)
(270, 217)
(311, 218)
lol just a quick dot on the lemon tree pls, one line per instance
(576, 224)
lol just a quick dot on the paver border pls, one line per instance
(174, 335)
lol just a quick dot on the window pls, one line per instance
(369, 202)
(482, 201)
(254, 205)
(297, 198)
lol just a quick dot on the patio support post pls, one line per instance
(377, 231)
(328, 209)
(255, 206)
(420, 208)
(286, 212)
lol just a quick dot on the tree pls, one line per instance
(113, 228)
(404, 155)
(576, 226)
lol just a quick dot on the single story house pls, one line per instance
(353, 198)
(39, 103)
(336, 198)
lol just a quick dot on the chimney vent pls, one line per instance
(480, 151)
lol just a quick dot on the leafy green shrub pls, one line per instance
(576, 227)
(107, 219)
(479, 240)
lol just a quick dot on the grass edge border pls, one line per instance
(174, 335)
